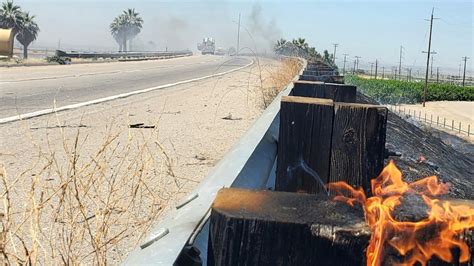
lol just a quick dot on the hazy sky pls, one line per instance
(370, 29)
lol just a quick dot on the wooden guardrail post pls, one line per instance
(357, 143)
(277, 228)
(336, 92)
(321, 141)
(305, 138)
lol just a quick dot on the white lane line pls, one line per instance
(97, 73)
(114, 97)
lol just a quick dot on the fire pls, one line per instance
(437, 233)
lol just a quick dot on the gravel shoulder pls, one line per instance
(184, 132)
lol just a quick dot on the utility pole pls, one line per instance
(334, 54)
(357, 62)
(464, 75)
(459, 73)
(354, 69)
(437, 75)
(425, 92)
(400, 63)
(383, 72)
(238, 36)
(432, 63)
(344, 66)
(376, 64)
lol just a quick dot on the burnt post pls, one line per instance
(321, 142)
(324, 78)
(305, 139)
(336, 92)
(357, 143)
(278, 228)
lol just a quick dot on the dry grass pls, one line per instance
(279, 77)
(80, 207)
(83, 205)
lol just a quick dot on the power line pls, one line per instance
(238, 36)
(425, 92)
(344, 67)
(334, 54)
(432, 63)
(357, 62)
(376, 65)
(400, 63)
(464, 75)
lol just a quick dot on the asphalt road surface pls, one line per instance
(30, 89)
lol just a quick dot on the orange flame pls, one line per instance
(416, 241)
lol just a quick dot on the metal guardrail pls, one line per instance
(73, 54)
(429, 120)
(248, 164)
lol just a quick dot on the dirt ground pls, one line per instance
(460, 111)
(87, 165)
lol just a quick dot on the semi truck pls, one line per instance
(208, 46)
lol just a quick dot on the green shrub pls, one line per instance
(58, 59)
(398, 91)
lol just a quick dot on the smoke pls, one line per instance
(175, 33)
(264, 33)
(166, 25)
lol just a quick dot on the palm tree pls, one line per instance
(117, 30)
(301, 44)
(125, 27)
(328, 58)
(27, 32)
(10, 16)
(312, 53)
(280, 46)
(134, 24)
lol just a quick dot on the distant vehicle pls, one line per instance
(208, 46)
(220, 51)
(231, 51)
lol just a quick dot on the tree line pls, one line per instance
(22, 23)
(124, 28)
(300, 48)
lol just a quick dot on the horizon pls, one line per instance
(370, 29)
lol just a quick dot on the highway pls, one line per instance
(31, 89)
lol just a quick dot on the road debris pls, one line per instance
(140, 125)
(230, 117)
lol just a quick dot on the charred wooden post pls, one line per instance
(305, 138)
(278, 228)
(336, 92)
(324, 78)
(322, 142)
(319, 72)
(318, 67)
(358, 143)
